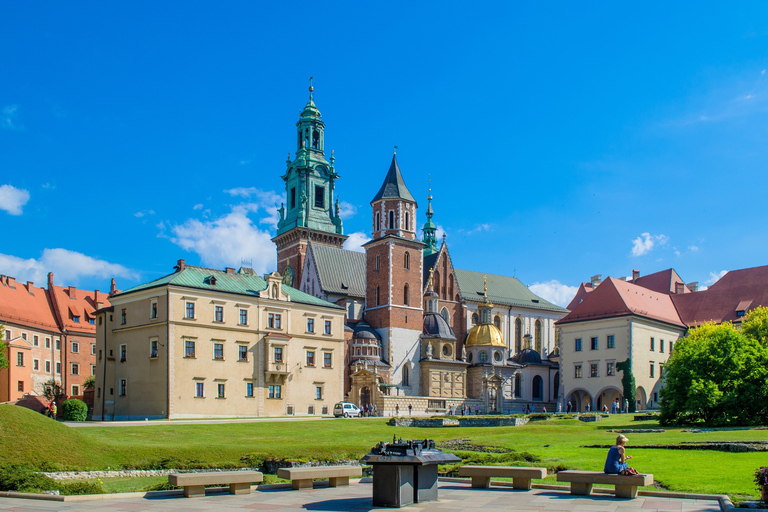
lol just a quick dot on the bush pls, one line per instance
(74, 488)
(23, 479)
(74, 410)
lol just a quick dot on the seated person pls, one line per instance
(615, 462)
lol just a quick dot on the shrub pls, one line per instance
(74, 488)
(161, 486)
(74, 410)
(23, 479)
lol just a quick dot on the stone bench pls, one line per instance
(194, 483)
(301, 478)
(582, 481)
(521, 476)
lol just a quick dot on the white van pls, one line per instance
(346, 409)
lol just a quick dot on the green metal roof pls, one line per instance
(340, 271)
(502, 290)
(242, 283)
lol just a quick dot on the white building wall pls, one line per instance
(404, 345)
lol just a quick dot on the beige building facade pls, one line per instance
(209, 343)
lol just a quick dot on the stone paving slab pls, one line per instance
(357, 497)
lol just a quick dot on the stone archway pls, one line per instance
(579, 399)
(607, 396)
(556, 387)
(365, 396)
(537, 388)
(642, 399)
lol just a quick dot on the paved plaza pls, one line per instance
(357, 497)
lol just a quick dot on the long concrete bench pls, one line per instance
(521, 476)
(194, 483)
(301, 478)
(582, 481)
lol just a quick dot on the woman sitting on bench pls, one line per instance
(615, 463)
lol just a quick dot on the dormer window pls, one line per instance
(210, 280)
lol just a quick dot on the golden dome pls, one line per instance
(485, 335)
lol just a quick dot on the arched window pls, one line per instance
(518, 335)
(475, 319)
(450, 286)
(518, 385)
(407, 260)
(391, 219)
(378, 296)
(407, 221)
(538, 388)
(556, 386)
(315, 139)
(406, 375)
(444, 314)
(436, 281)
(378, 221)
(497, 321)
(537, 336)
(405, 294)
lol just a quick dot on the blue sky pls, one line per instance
(562, 141)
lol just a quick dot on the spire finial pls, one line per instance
(485, 288)
(394, 151)
(311, 87)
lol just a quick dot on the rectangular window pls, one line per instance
(93, 349)
(153, 348)
(47, 342)
(58, 367)
(652, 369)
(577, 345)
(218, 314)
(75, 369)
(593, 344)
(310, 325)
(36, 341)
(610, 368)
(277, 321)
(76, 319)
(189, 348)
(275, 391)
(153, 309)
(75, 390)
(292, 202)
(327, 327)
(327, 359)
(611, 341)
(7, 335)
(93, 369)
(58, 344)
(20, 359)
(199, 390)
(278, 352)
(190, 310)
(24, 336)
(310, 358)
(271, 320)
(123, 353)
(220, 391)
(318, 392)
(242, 352)
(671, 346)
(653, 344)
(123, 387)
(218, 351)
(122, 317)
(593, 370)
(661, 346)
(21, 386)
(47, 367)
(243, 317)
(577, 371)
(319, 196)
(249, 389)
(35, 364)
(75, 347)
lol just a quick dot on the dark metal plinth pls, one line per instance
(393, 485)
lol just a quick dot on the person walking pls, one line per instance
(397, 409)
(568, 407)
(410, 409)
(589, 406)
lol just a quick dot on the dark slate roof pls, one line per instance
(502, 290)
(527, 356)
(394, 185)
(429, 262)
(340, 271)
(365, 331)
(242, 283)
(435, 326)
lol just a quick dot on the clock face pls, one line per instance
(288, 276)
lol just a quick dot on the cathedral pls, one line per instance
(422, 336)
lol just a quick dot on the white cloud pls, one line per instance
(715, 276)
(479, 227)
(762, 72)
(67, 266)
(347, 210)
(144, 213)
(8, 119)
(227, 241)
(356, 240)
(439, 232)
(554, 291)
(266, 200)
(693, 248)
(13, 199)
(198, 206)
(47, 185)
(646, 242)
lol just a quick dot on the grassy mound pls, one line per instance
(31, 439)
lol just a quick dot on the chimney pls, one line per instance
(112, 287)
(180, 264)
(11, 282)
(694, 286)
(230, 270)
(679, 288)
(30, 285)
(72, 292)
(635, 275)
(595, 280)
(50, 281)
(96, 296)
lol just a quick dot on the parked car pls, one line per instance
(346, 409)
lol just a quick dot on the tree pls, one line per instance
(628, 383)
(756, 325)
(3, 348)
(717, 375)
(52, 390)
(90, 382)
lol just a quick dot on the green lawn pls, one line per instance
(27, 437)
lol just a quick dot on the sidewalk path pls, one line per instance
(357, 497)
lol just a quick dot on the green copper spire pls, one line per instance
(310, 178)
(430, 230)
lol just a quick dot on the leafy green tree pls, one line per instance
(90, 382)
(717, 375)
(756, 325)
(52, 390)
(3, 348)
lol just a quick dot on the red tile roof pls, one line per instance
(23, 305)
(72, 302)
(584, 290)
(663, 281)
